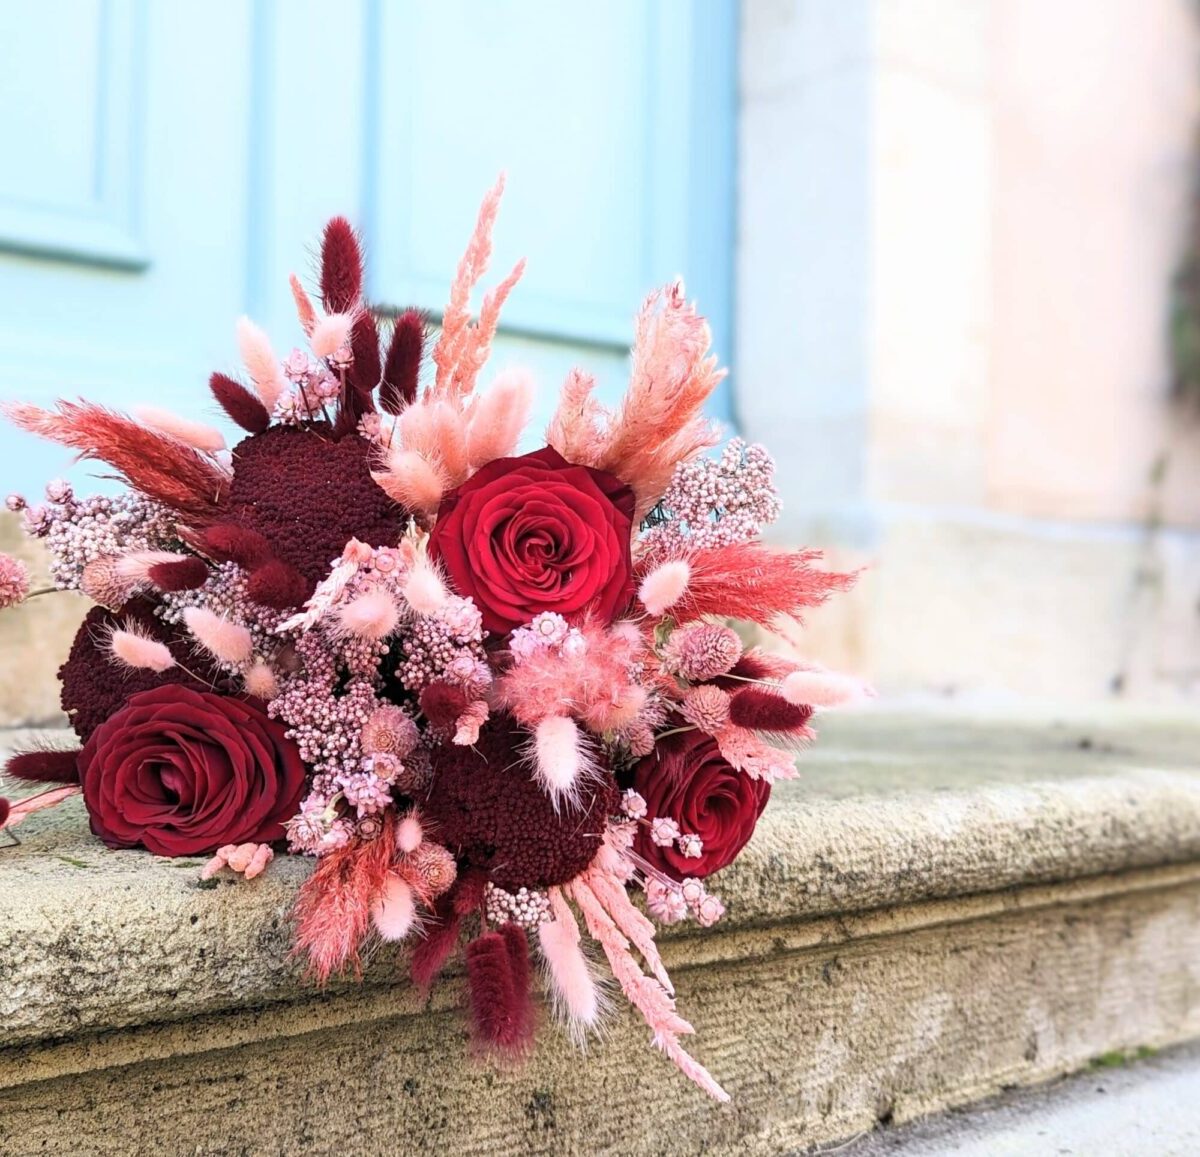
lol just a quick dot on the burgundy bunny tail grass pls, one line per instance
(159, 466)
(43, 766)
(363, 375)
(333, 907)
(402, 369)
(441, 938)
(341, 267)
(498, 1014)
(524, 1013)
(188, 574)
(241, 406)
(758, 709)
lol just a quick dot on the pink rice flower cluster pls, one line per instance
(434, 643)
(80, 531)
(14, 581)
(669, 901)
(718, 501)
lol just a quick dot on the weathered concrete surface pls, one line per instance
(1120, 1107)
(938, 910)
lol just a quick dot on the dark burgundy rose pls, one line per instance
(181, 772)
(533, 534)
(686, 779)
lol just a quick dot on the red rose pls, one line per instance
(686, 779)
(533, 534)
(182, 772)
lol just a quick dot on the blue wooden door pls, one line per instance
(167, 165)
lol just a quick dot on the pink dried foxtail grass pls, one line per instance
(462, 349)
(305, 312)
(646, 994)
(333, 908)
(578, 429)
(159, 466)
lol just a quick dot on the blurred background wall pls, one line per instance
(935, 239)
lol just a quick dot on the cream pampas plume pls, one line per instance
(394, 911)
(576, 996)
(373, 615)
(229, 642)
(664, 586)
(133, 647)
(498, 417)
(197, 434)
(559, 756)
(330, 333)
(261, 363)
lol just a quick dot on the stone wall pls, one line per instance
(958, 224)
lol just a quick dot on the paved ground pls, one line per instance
(1143, 1108)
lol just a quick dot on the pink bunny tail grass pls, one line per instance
(332, 911)
(413, 481)
(498, 417)
(424, 589)
(161, 468)
(817, 687)
(578, 429)
(455, 337)
(261, 363)
(402, 366)
(261, 682)
(562, 759)
(239, 404)
(330, 334)
(305, 312)
(372, 615)
(394, 911)
(576, 998)
(409, 833)
(187, 574)
(130, 646)
(748, 581)
(43, 766)
(437, 946)
(648, 996)
(341, 266)
(20, 810)
(664, 586)
(198, 435)
(230, 642)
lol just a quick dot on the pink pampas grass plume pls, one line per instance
(373, 615)
(131, 646)
(424, 589)
(261, 363)
(576, 997)
(330, 334)
(478, 346)
(579, 428)
(394, 911)
(820, 688)
(498, 417)
(14, 581)
(196, 434)
(664, 586)
(229, 642)
(260, 681)
(305, 312)
(413, 481)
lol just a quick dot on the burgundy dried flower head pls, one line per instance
(486, 807)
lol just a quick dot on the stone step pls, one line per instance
(945, 905)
